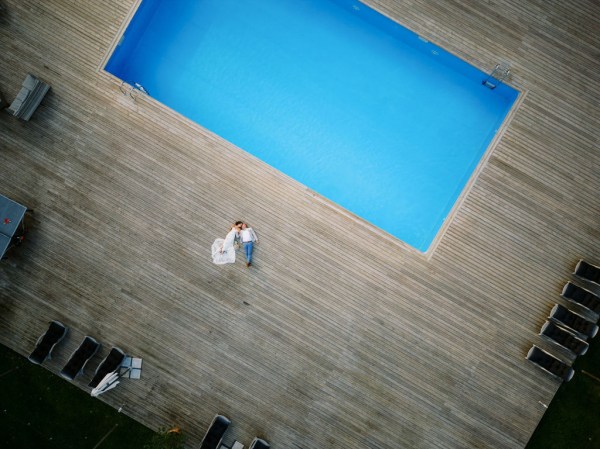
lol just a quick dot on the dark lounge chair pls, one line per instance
(257, 443)
(46, 343)
(587, 271)
(214, 435)
(550, 364)
(582, 326)
(79, 358)
(565, 338)
(581, 296)
(110, 364)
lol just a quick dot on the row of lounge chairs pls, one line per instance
(213, 438)
(79, 358)
(569, 329)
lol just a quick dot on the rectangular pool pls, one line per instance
(330, 92)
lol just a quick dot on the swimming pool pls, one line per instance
(329, 92)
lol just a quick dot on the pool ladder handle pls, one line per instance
(498, 75)
(128, 89)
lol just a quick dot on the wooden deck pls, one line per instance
(330, 341)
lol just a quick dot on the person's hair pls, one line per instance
(239, 223)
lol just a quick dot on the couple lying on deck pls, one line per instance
(223, 250)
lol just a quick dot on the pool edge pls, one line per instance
(119, 34)
(374, 229)
(476, 172)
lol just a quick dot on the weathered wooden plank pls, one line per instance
(330, 340)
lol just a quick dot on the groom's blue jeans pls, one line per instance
(248, 250)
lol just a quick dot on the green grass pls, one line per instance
(571, 420)
(40, 410)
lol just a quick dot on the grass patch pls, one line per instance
(571, 420)
(41, 410)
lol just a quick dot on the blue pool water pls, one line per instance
(330, 92)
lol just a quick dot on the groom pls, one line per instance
(248, 237)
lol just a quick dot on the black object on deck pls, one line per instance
(214, 435)
(581, 296)
(110, 364)
(550, 364)
(587, 271)
(564, 338)
(46, 343)
(80, 357)
(581, 325)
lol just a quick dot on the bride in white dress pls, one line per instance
(223, 250)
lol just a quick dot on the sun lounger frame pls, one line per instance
(215, 433)
(110, 364)
(583, 327)
(563, 337)
(549, 363)
(579, 295)
(46, 343)
(587, 271)
(80, 357)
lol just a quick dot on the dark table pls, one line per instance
(11, 218)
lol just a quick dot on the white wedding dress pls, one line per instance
(226, 244)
